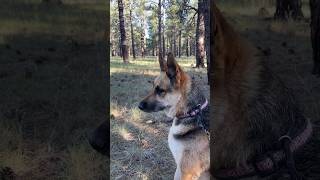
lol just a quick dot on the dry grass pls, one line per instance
(51, 75)
(139, 148)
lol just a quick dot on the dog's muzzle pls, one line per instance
(150, 107)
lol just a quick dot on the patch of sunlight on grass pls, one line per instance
(137, 71)
(131, 156)
(124, 133)
(152, 73)
(147, 66)
(115, 110)
(143, 176)
(135, 114)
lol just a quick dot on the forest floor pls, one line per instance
(52, 69)
(139, 147)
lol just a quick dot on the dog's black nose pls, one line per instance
(142, 105)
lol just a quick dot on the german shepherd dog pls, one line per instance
(257, 130)
(179, 97)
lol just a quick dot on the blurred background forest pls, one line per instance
(52, 69)
(176, 26)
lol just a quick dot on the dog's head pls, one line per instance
(168, 88)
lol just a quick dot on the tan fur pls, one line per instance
(195, 162)
(192, 156)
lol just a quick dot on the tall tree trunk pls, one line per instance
(200, 36)
(207, 6)
(142, 44)
(187, 46)
(124, 46)
(179, 50)
(315, 35)
(132, 37)
(153, 50)
(113, 49)
(143, 39)
(296, 8)
(171, 44)
(160, 56)
(191, 47)
(167, 46)
(120, 47)
(174, 44)
(195, 48)
(112, 42)
(163, 45)
(286, 9)
(129, 50)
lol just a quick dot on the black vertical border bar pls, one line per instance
(211, 51)
(107, 66)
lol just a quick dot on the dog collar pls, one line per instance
(267, 164)
(195, 111)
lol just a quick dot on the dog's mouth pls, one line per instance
(157, 109)
(154, 107)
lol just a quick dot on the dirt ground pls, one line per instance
(52, 69)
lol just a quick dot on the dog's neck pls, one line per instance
(194, 97)
(190, 97)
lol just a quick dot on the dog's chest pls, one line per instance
(176, 146)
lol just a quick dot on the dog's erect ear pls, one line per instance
(171, 66)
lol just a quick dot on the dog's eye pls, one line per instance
(160, 91)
